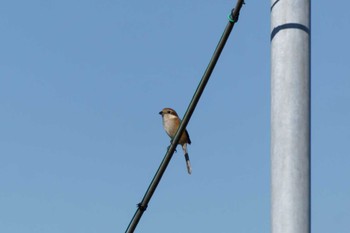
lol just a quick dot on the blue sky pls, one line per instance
(81, 85)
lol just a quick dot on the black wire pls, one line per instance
(157, 177)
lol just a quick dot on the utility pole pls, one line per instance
(290, 116)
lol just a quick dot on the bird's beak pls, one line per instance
(160, 113)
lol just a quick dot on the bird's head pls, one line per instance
(169, 113)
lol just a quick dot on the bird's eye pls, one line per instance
(169, 111)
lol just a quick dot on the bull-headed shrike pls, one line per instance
(171, 122)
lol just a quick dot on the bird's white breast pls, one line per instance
(170, 124)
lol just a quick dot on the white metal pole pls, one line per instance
(290, 116)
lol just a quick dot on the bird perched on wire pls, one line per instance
(171, 122)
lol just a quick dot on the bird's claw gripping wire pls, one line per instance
(169, 148)
(171, 142)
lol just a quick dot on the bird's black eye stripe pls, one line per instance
(169, 111)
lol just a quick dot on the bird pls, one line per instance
(171, 122)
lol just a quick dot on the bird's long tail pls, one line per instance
(188, 164)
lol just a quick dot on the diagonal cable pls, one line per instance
(142, 206)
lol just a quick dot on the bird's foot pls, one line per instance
(169, 148)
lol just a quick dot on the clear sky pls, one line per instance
(81, 85)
